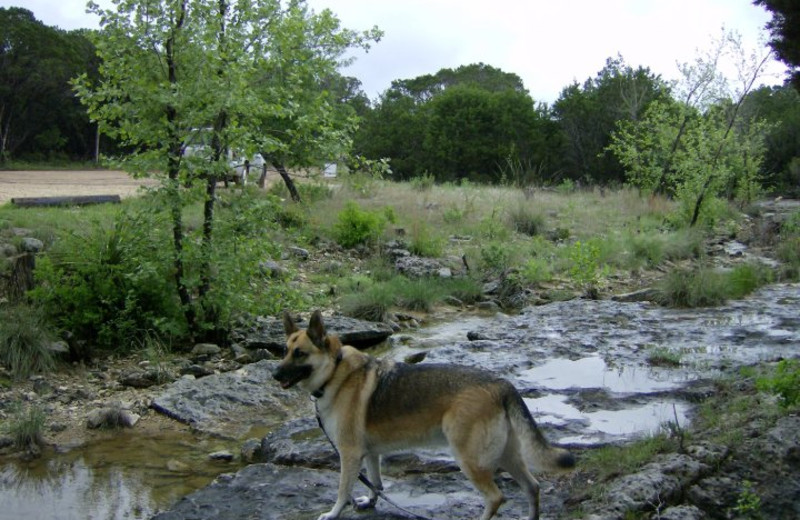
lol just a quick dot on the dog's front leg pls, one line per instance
(350, 464)
(373, 464)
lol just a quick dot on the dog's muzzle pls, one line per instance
(288, 376)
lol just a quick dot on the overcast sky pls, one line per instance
(548, 43)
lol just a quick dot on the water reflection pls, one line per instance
(128, 477)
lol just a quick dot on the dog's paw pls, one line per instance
(365, 502)
(330, 515)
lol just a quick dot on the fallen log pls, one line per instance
(69, 200)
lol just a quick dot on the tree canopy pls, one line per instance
(39, 114)
(785, 31)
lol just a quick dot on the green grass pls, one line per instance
(25, 428)
(706, 287)
(25, 341)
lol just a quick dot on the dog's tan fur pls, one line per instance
(369, 407)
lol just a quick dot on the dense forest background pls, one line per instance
(475, 122)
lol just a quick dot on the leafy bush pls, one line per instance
(495, 256)
(424, 242)
(785, 382)
(788, 252)
(109, 284)
(585, 267)
(423, 182)
(700, 287)
(536, 270)
(526, 221)
(356, 226)
(24, 341)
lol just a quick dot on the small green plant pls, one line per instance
(424, 242)
(788, 251)
(663, 357)
(526, 221)
(495, 256)
(25, 341)
(26, 429)
(536, 270)
(785, 383)
(585, 267)
(424, 182)
(746, 278)
(453, 215)
(748, 504)
(356, 226)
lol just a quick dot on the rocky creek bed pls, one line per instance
(584, 367)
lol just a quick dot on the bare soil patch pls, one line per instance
(57, 183)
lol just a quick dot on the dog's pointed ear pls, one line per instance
(316, 330)
(288, 324)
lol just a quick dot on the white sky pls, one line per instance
(548, 43)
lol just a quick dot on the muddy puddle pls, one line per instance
(585, 369)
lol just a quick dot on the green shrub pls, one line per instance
(465, 289)
(746, 278)
(356, 226)
(788, 252)
(424, 242)
(25, 341)
(585, 267)
(784, 382)
(536, 270)
(109, 284)
(453, 215)
(371, 303)
(26, 427)
(495, 256)
(524, 220)
(424, 182)
(700, 287)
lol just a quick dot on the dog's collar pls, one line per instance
(319, 392)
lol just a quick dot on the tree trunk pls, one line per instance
(173, 184)
(287, 180)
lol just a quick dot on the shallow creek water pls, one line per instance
(582, 367)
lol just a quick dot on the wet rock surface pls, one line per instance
(588, 380)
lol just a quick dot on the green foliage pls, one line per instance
(495, 256)
(355, 226)
(536, 270)
(748, 504)
(423, 182)
(585, 267)
(527, 221)
(26, 428)
(424, 242)
(109, 283)
(663, 357)
(788, 251)
(784, 382)
(25, 341)
(40, 120)
(704, 287)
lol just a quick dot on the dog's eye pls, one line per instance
(298, 354)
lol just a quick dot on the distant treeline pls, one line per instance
(475, 122)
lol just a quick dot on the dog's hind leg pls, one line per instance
(477, 444)
(373, 465)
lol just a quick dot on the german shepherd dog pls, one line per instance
(369, 407)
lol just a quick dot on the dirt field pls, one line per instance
(61, 183)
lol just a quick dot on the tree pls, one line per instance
(461, 123)
(694, 150)
(308, 120)
(175, 71)
(588, 114)
(39, 114)
(785, 31)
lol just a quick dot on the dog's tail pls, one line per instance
(537, 451)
